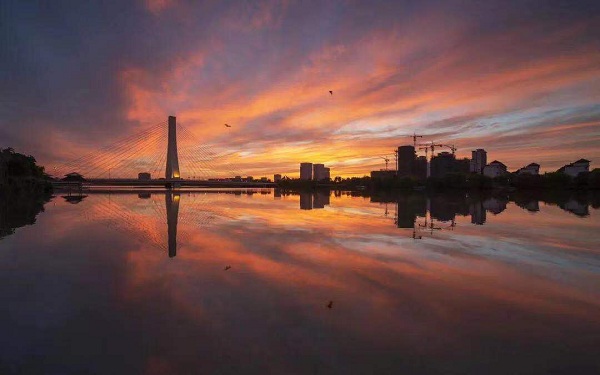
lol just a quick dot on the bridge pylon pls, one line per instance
(172, 167)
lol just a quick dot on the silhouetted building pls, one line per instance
(462, 165)
(144, 176)
(320, 172)
(574, 169)
(406, 161)
(306, 170)
(420, 167)
(478, 160)
(277, 177)
(533, 169)
(495, 169)
(442, 164)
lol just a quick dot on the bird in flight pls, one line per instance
(330, 92)
(330, 304)
(227, 125)
(227, 267)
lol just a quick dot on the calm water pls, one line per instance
(135, 283)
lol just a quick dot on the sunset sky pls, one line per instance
(520, 79)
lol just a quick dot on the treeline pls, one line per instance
(460, 181)
(472, 181)
(20, 173)
(351, 183)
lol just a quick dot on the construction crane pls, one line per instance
(451, 147)
(414, 137)
(431, 146)
(387, 160)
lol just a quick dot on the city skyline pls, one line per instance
(519, 80)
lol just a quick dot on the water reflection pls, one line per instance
(19, 209)
(340, 289)
(172, 206)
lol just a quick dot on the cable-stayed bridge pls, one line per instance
(166, 153)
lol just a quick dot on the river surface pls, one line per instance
(265, 282)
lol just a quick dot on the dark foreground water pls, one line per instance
(139, 283)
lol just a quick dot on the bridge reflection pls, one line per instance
(172, 206)
(143, 215)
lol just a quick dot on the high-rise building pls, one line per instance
(478, 160)
(318, 172)
(306, 170)
(442, 164)
(420, 169)
(406, 161)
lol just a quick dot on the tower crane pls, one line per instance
(451, 147)
(414, 137)
(431, 146)
(387, 160)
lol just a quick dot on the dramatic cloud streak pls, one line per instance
(520, 80)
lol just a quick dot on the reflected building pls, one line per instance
(74, 199)
(306, 201)
(533, 206)
(321, 198)
(144, 195)
(495, 205)
(408, 208)
(575, 207)
(477, 212)
(276, 193)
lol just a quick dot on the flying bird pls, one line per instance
(228, 126)
(330, 304)
(227, 267)
(330, 92)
